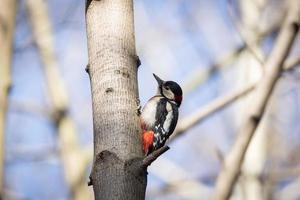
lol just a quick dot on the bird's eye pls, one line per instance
(167, 88)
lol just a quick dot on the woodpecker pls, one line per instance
(160, 114)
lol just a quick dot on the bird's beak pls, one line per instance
(159, 80)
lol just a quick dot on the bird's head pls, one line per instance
(169, 89)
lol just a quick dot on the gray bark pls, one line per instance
(117, 170)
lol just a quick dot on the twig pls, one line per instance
(274, 64)
(291, 63)
(154, 155)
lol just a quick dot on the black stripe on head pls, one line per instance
(174, 87)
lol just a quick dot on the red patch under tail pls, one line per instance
(148, 137)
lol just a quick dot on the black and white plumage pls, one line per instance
(160, 114)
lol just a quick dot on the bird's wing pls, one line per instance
(166, 119)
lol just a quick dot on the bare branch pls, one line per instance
(154, 155)
(274, 64)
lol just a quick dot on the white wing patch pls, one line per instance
(169, 118)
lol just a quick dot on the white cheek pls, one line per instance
(168, 94)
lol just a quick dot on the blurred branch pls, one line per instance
(251, 43)
(30, 107)
(186, 189)
(280, 174)
(290, 63)
(172, 174)
(11, 195)
(208, 110)
(70, 13)
(27, 154)
(221, 102)
(7, 26)
(273, 66)
(288, 175)
(249, 25)
(74, 159)
(289, 192)
(199, 77)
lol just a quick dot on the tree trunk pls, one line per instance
(117, 171)
(7, 23)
